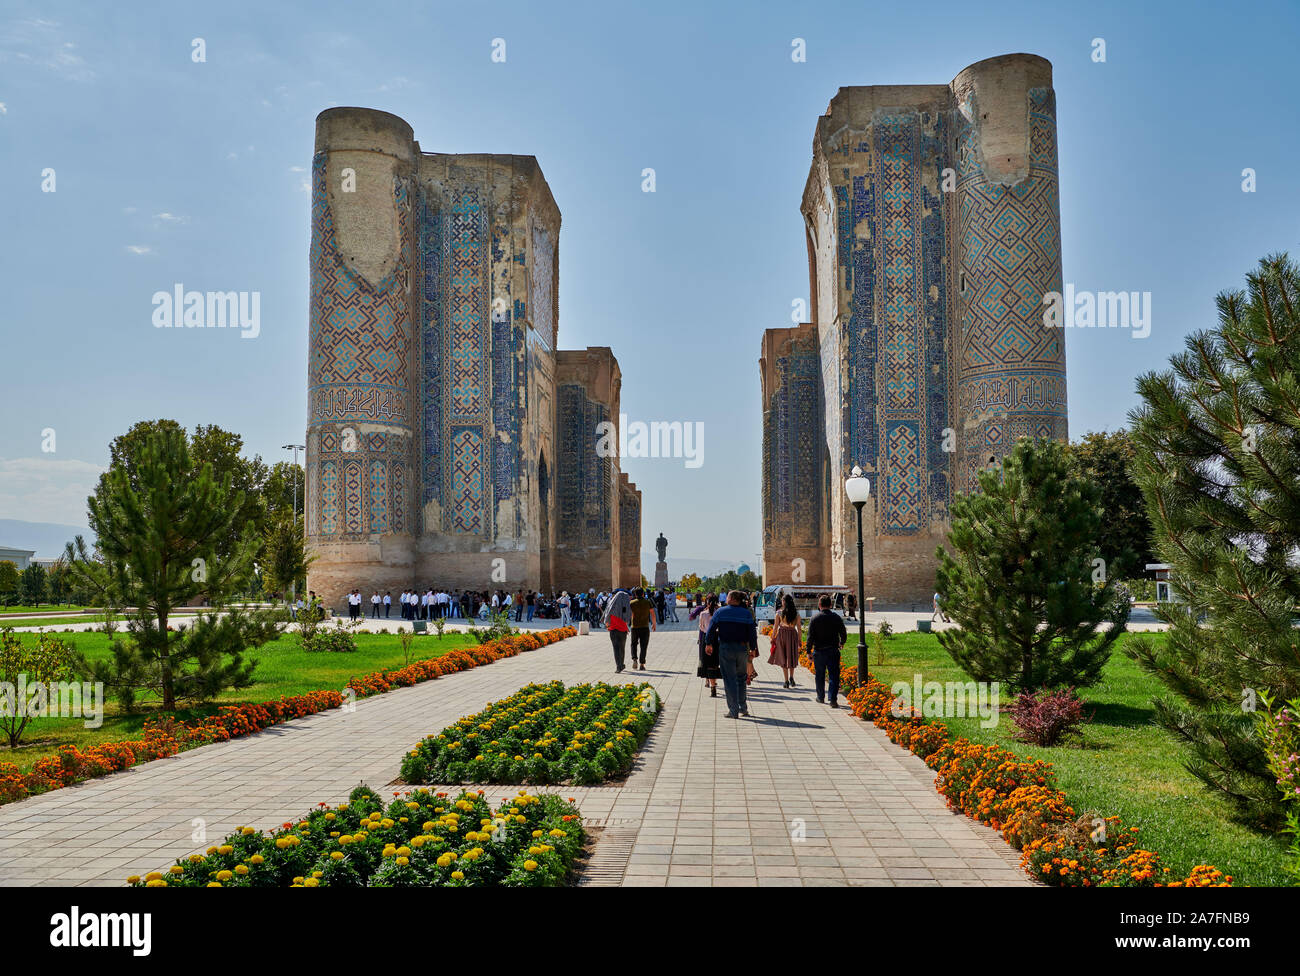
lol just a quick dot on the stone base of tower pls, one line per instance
(341, 568)
(577, 571)
(795, 564)
(898, 570)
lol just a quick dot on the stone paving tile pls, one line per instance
(797, 795)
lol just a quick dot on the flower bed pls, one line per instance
(168, 736)
(1019, 798)
(421, 840)
(540, 734)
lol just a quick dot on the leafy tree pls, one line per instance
(283, 490)
(163, 524)
(9, 578)
(31, 585)
(284, 554)
(1017, 576)
(1218, 459)
(48, 662)
(689, 583)
(731, 580)
(1124, 540)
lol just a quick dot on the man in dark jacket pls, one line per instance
(826, 636)
(732, 635)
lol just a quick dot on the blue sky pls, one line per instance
(170, 171)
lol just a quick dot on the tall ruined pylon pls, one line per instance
(360, 519)
(449, 443)
(932, 219)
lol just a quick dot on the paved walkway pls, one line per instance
(797, 795)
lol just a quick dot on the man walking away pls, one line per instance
(938, 610)
(732, 636)
(826, 635)
(619, 620)
(643, 618)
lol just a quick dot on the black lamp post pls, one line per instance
(858, 489)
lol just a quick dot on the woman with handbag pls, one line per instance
(787, 633)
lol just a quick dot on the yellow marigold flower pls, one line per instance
(176, 869)
(256, 859)
(530, 865)
(336, 856)
(134, 879)
(153, 876)
(241, 869)
(225, 849)
(214, 884)
(311, 883)
(225, 875)
(458, 875)
(246, 831)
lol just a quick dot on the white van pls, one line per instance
(805, 599)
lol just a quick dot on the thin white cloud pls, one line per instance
(139, 249)
(4, 109)
(46, 490)
(297, 169)
(40, 43)
(171, 218)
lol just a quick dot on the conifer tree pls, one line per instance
(1018, 574)
(164, 527)
(1218, 460)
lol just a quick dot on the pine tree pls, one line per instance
(164, 527)
(1218, 460)
(1018, 576)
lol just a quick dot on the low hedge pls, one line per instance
(541, 734)
(421, 840)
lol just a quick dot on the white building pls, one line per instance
(19, 557)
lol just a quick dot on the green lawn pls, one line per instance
(283, 668)
(43, 608)
(1127, 766)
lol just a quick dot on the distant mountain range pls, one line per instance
(679, 566)
(47, 538)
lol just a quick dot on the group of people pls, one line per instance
(728, 648)
(520, 605)
(728, 642)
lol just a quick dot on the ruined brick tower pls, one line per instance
(448, 443)
(933, 228)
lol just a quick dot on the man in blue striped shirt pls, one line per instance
(732, 635)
